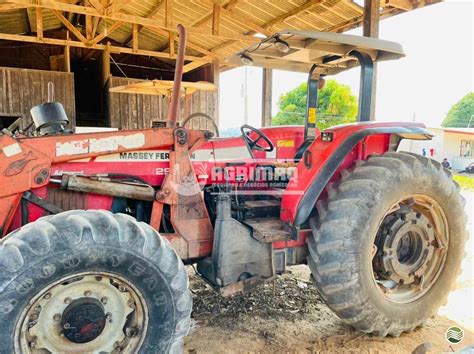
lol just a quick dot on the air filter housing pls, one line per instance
(49, 118)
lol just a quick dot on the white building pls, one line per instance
(455, 144)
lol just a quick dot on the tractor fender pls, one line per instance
(327, 160)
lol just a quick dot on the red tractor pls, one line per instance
(97, 227)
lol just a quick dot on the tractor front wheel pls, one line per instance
(91, 282)
(388, 242)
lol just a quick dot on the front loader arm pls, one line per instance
(25, 162)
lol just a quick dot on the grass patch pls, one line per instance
(465, 182)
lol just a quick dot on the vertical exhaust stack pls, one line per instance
(173, 110)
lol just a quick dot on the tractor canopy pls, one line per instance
(332, 53)
(321, 54)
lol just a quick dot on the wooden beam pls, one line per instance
(67, 56)
(293, 13)
(69, 26)
(97, 5)
(114, 49)
(106, 32)
(371, 18)
(39, 23)
(116, 6)
(190, 44)
(169, 24)
(150, 15)
(89, 34)
(106, 64)
(405, 5)
(216, 16)
(135, 37)
(267, 80)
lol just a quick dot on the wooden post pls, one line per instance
(89, 33)
(216, 19)
(267, 80)
(67, 56)
(169, 24)
(371, 29)
(135, 37)
(106, 64)
(39, 23)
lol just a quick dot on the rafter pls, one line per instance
(69, 26)
(216, 17)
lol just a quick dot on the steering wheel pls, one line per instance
(202, 115)
(253, 144)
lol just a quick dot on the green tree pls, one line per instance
(336, 105)
(460, 114)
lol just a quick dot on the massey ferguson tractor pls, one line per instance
(96, 228)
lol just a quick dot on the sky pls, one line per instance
(436, 73)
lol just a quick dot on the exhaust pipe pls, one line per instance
(172, 115)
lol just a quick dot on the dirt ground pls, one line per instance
(288, 316)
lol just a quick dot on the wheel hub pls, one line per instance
(91, 313)
(410, 248)
(406, 247)
(83, 320)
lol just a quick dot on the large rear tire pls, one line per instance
(388, 242)
(91, 281)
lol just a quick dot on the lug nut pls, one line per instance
(67, 300)
(57, 317)
(47, 296)
(87, 293)
(103, 300)
(122, 288)
(131, 303)
(67, 326)
(108, 316)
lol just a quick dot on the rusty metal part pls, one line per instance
(410, 248)
(172, 115)
(106, 186)
(69, 316)
(189, 216)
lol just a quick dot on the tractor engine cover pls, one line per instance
(49, 118)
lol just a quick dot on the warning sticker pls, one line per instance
(285, 143)
(312, 115)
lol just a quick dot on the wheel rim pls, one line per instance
(410, 248)
(84, 313)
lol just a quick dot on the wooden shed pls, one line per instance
(101, 43)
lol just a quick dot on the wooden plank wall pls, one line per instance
(134, 111)
(22, 89)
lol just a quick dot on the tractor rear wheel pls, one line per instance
(387, 243)
(91, 281)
